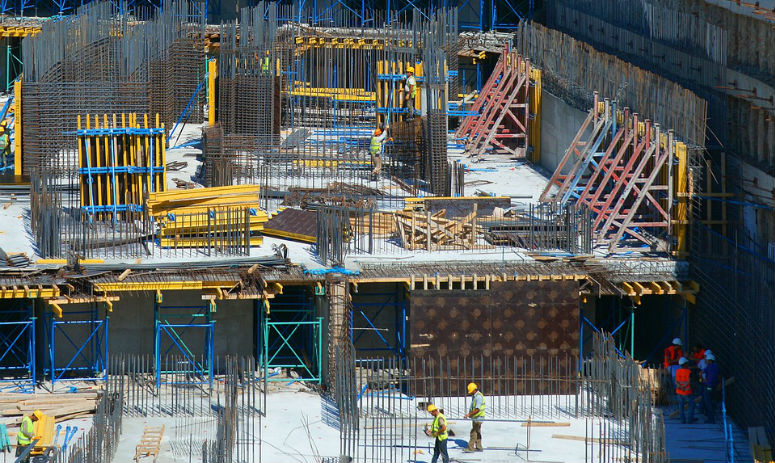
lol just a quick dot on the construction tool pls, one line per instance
(69, 434)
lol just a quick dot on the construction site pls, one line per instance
(339, 231)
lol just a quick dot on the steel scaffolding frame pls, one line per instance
(310, 371)
(293, 336)
(199, 318)
(90, 348)
(17, 346)
(368, 313)
(621, 169)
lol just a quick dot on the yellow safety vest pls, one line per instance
(375, 147)
(436, 426)
(481, 409)
(26, 432)
(265, 65)
(412, 82)
(4, 141)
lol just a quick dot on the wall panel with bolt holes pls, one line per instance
(516, 327)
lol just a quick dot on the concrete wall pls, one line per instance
(559, 124)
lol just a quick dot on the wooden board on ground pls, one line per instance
(534, 424)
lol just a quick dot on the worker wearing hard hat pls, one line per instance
(26, 434)
(438, 430)
(266, 63)
(410, 91)
(476, 414)
(711, 381)
(672, 354)
(5, 144)
(683, 389)
(375, 150)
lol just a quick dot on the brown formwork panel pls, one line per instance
(515, 328)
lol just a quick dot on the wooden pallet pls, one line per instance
(150, 443)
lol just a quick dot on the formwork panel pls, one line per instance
(514, 328)
(512, 318)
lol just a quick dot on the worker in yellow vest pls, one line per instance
(476, 414)
(5, 144)
(375, 150)
(27, 434)
(439, 431)
(410, 91)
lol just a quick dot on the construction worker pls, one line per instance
(266, 64)
(476, 414)
(703, 363)
(375, 149)
(410, 91)
(26, 434)
(698, 353)
(683, 389)
(711, 378)
(439, 431)
(5, 144)
(672, 354)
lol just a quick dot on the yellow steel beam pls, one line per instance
(28, 293)
(641, 290)
(656, 288)
(290, 235)
(18, 31)
(628, 288)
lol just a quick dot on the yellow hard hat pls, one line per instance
(409, 69)
(37, 414)
(4, 123)
(472, 387)
(431, 407)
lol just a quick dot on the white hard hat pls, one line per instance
(677, 341)
(708, 352)
(682, 360)
(710, 356)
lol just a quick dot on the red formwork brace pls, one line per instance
(621, 170)
(502, 113)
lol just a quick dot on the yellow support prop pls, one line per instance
(18, 127)
(682, 195)
(212, 72)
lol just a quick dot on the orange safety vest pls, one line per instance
(672, 355)
(682, 384)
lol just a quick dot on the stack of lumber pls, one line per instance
(658, 381)
(197, 217)
(378, 224)
(430, 232)
(60, 406)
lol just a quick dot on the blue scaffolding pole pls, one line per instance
(17, 344)
(290, 336)
(81, 336)
(172, 339)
